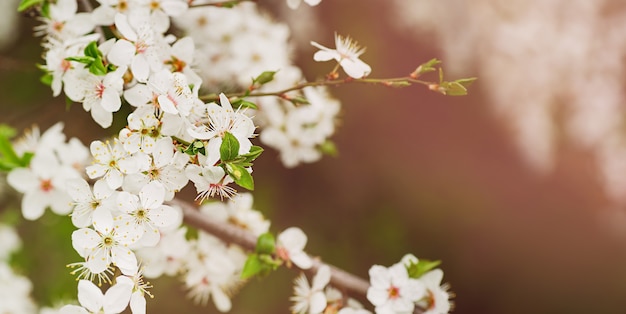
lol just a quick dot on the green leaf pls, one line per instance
(255, 152)
(423, 266)
(97, 67)
(26, 4)
(229, 149)
(265, 244)
(242, 103)
(7, 131)
(264, 77)
(45, 9)
(82, 59)
(92, 50)
(46, 79)
(299, 100)
(253, 266)
(241, 176)
(428, 66)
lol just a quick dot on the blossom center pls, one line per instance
(108, 241)
(99, 90)
(46, 185)
(394, 292)
(282, 253)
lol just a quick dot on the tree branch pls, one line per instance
(233, 234)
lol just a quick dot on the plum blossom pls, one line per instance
(134, 48)
(43, 185)
(113, 162)
(290, 247)
(90, 207)
(392, 291)
(144, 214)
(99, 94)
(437, 300)
(210, 181)
(347, 54)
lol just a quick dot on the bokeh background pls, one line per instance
(447, 178)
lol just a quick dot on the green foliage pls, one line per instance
(8, 157)
(428, 66)
(261, 262)
(264, 78)
(454, 88)
(27, 4)
(242, 103)
(93, 60)
(423, 266)
(229, 149)
(298, 100)
(329, 148)
(242, 177)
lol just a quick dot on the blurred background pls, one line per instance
(518, 188)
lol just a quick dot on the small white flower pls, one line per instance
(43, 185)
(347, 54)
(90, 207)
(290, 247)
(112, 162)
(392, 291)
(310, 299)
(144, 214)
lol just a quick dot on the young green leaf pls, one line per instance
(27, 4)
(428, 66)
(255, 152)
(229, 149)
(265, 244)
(423, 266)
(264, 77)
(241, 176)
(92, 50)
(252, 266)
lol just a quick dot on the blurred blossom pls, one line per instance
(553, 69)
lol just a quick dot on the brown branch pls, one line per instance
(233, 234)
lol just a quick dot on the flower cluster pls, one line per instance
(121, 193)
(15, 289)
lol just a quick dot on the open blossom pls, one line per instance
(210, 181)
(89, 206)
(100, 95)
(112, 162)
(134, 48)
(290, 247)
(347, 54)
(144, 214)
(43, 185)
(311, 299)
(392, 291)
